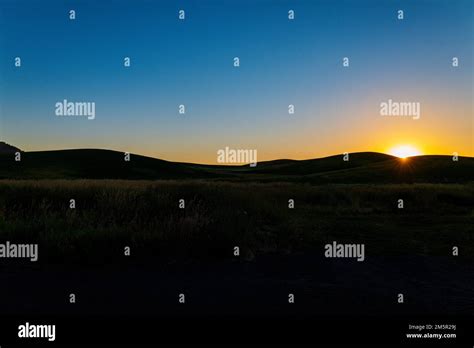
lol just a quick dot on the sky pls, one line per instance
(282, 62)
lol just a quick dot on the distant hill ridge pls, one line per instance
(362, 167)
(7, 148)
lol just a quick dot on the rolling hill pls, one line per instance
(363, 167)
(7, 148)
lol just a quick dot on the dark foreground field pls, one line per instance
(190, 250)
(217, 216)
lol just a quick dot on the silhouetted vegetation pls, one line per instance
(145, 215)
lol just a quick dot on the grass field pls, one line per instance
(136, 204)
(112, 214)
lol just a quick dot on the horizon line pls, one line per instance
(242, 163)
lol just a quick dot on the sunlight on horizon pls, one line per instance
(404, 151)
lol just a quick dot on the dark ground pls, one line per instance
(322, 287)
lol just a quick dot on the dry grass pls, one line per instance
(110, 214)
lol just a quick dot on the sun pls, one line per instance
(404, 151)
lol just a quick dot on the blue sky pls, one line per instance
(282, 62)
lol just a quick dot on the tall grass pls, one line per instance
(112, 214)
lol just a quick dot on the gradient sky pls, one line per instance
(283, 62)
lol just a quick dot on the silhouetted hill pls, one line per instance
(7, 148)
(419, 169)
(319, 165)
(91, 164)
(362, 167)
